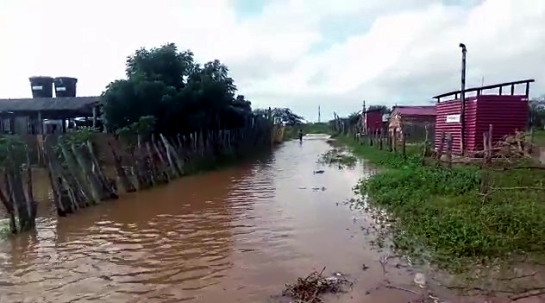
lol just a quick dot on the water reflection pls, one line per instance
(236, 235)
(143, 244)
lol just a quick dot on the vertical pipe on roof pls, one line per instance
(463, 97)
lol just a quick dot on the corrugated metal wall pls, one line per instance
(505, 113)
(443, 110)
(373, 121)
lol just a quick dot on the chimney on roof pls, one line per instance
(65, 87)
(42, 87)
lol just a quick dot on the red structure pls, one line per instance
(372, 121)
(505, 112)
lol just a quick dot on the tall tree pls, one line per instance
(164, 64)
(180, 94)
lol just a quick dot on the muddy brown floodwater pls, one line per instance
(235, 235)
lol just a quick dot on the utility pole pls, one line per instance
(364, 118)
(318, 113)
(463, 96)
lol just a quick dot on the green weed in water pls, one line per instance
(339, 157)
(4, 229)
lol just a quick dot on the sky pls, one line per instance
(299, 54)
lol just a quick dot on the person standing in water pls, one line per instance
(300, 135)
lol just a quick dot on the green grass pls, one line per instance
(383, 157)
(292, 132)
(316, 128)
(4, 229)
(443, 214)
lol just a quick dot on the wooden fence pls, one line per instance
(79, 178)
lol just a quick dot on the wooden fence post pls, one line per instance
(389, 140)
(485, 148)
(449, 150)
(488, 151)
(440, 148)
(394, 140)
(424, 153)
(404, 146)
(530, 144)
(426, 141)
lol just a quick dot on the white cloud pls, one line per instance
(408, 54)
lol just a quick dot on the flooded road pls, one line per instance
(236, 235)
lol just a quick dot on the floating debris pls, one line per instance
(311, 288)
(321, 171)
(420, 279)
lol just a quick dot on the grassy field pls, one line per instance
(446, 216)
(316, 128)
(539, 138)
(309, 128)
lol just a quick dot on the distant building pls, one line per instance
(374, 120)
(43, 113)
(412, 121)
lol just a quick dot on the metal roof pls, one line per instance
(48, 104)
(414, 110)
(487, 87)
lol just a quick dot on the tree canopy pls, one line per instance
(382, 108)
(354, 118)
(537, 112)
(182, 95)
(282, 116)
